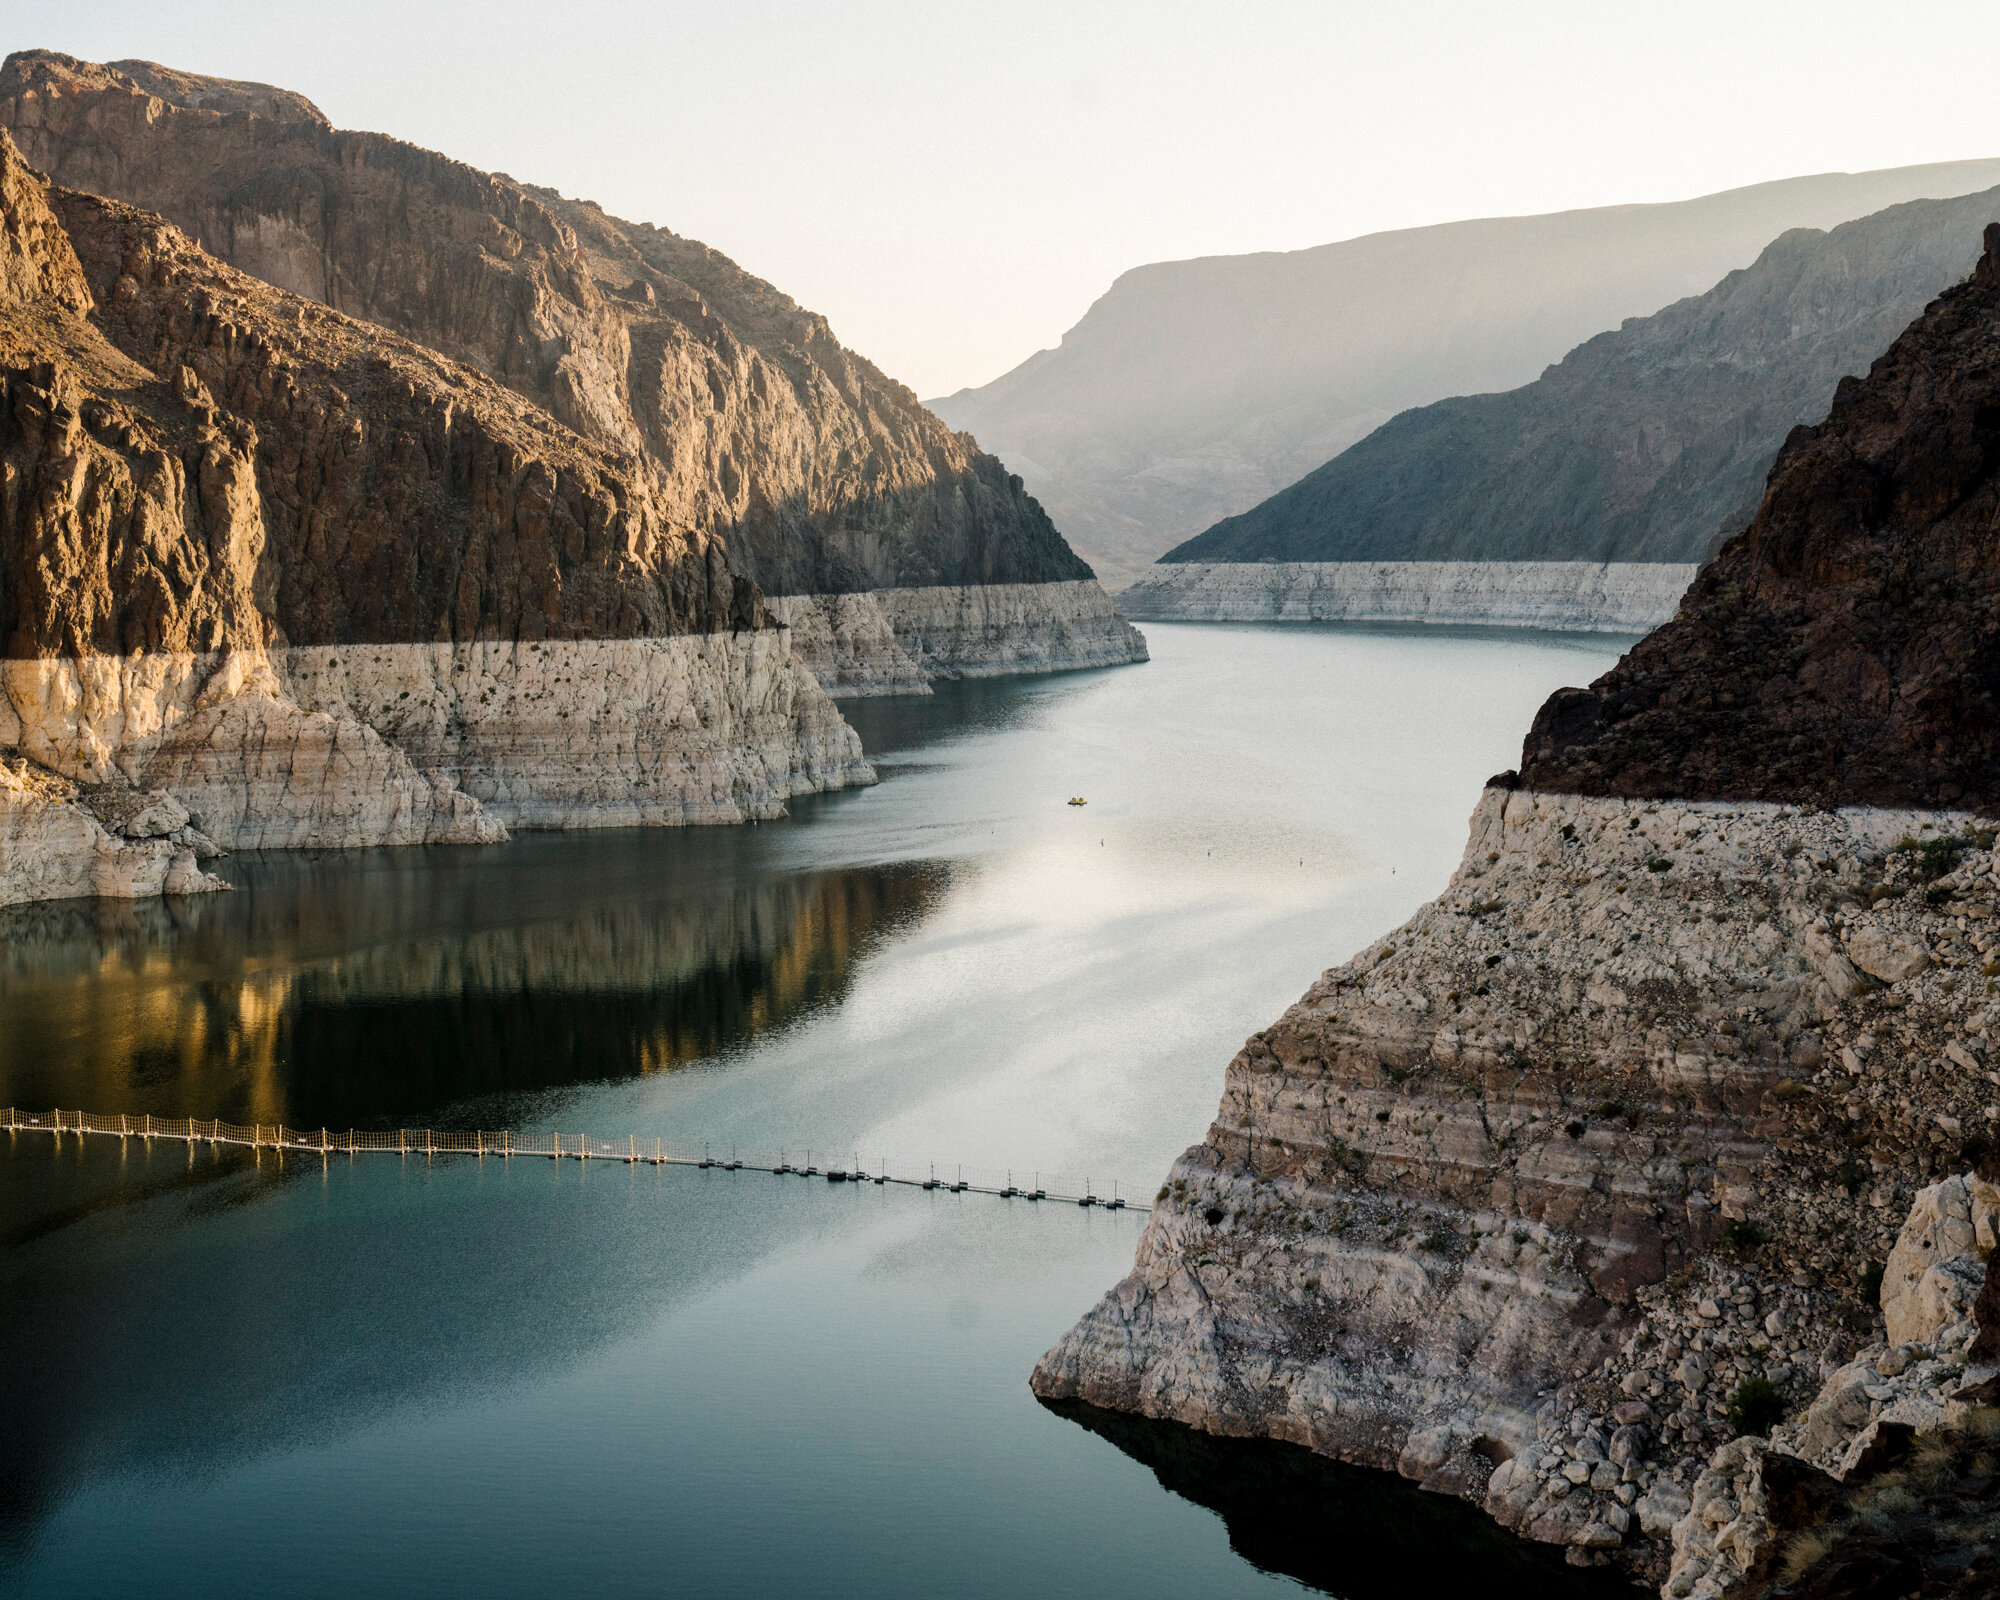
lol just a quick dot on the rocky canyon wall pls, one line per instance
(303, 583)
(821, 474)
(1641, 1187)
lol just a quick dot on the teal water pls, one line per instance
(383, 1375)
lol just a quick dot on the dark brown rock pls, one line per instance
(755, 424)
(1844, 649)
(201, 462)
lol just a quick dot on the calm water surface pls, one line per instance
(458, 1378)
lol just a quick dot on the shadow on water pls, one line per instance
(1349, 1532)
(366, 988)
(891, 725)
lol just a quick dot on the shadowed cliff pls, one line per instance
(1844, 649)
(1641, 443)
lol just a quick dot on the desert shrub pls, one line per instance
(1743, 1234)
(1574, 1130)
(1933, 858)
(1806, 1548)
(1756, 1407)
(1435, 1242)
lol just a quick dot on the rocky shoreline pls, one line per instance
(901, 641)
(1473, 1210)
(1566, 596)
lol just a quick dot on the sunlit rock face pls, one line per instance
(327, 589)
(743, 415)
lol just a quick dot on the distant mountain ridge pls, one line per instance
(1642, 444)
(1192, 390)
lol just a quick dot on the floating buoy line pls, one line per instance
(506, 1145)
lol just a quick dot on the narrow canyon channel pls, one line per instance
(228, 1371)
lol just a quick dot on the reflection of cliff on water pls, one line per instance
(1353, 1533)
(362, 988)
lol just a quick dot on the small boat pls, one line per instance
(1078, 800)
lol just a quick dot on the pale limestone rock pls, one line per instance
(991, 630)
(53, 847)
(848, 644)
(338, 746)
(698, 728)
(1660, 1507)
(1560, 595)
(1924, 1285)
(1439, 1181)
(1884, 954)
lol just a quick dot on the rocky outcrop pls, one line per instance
(1577, 596)
(756, 426)
(899, 641)
(1675, 1116)
(326, 588)
(1192, 390)
(1647, 443)
(58, 842)
(1844, 649)
(1516, 1202)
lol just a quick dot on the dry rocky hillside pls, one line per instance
(1642, 1187)
(754, 425)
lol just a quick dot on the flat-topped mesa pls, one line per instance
(821, 475)
(323, 586)
(1520, 1200)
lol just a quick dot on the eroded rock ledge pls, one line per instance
(1643, 1067)
(900, 641)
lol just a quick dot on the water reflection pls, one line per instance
(1360, 1535)
(359, 991)
(308, 1299)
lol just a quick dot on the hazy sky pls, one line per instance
(952, 185)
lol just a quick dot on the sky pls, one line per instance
(952, 185)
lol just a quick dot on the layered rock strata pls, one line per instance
(1567, 596)
(1674, 1117)
(1460, 1196)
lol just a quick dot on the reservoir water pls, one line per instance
(385, 1375)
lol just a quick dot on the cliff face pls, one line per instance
(1673, 1118)
(1845, 649)
(1192, 390)
(755, 424)
(1641, 444)
(213, 494)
